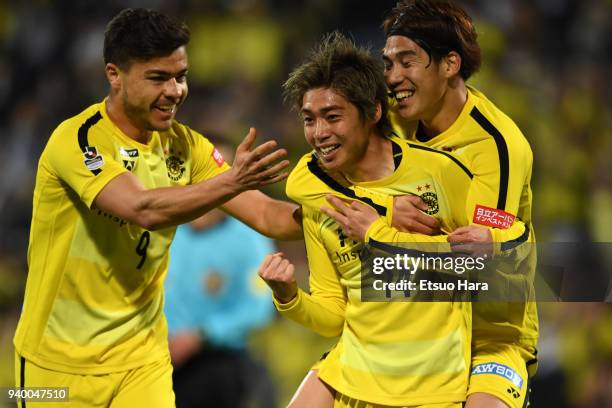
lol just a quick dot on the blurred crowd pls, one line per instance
(546, 63)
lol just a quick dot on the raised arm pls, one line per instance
(127, 198)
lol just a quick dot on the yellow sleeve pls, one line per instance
(323, 309)
(502, 172)
(511, 249)
(207, 161)
(499, 182)
(85, 163)
(380, 231)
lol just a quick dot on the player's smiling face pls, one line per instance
(416, 82)
(335, 129)
(152, 90)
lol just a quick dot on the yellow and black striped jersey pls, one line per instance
(391, 353)
(94, 294)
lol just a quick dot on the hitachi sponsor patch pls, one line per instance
(492, 217)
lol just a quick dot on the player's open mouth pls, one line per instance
(400, 96)
(166, 108)
(327, 151)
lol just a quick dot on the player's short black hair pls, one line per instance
(438, 27)
(138, 34)
(351, 71)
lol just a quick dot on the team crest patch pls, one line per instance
(429, 196)
(93, 160)
(218, 157)
(431, 199)
(175, 168)
(128, 157)
(500, 370)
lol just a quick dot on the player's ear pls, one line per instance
(377, 113)
(451, 64)
(112, 75)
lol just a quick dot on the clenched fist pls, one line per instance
(279, 275)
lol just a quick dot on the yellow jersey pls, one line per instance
(490, 144)
(94, 295)
(391, 353)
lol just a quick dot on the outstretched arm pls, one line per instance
(127, 198)
(274, 218)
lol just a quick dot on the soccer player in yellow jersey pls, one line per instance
(112, 184)
(430, 52)
(389, 353)
(424, 37)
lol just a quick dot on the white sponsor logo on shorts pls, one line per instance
(501, 370)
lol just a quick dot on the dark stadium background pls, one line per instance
(547, 63)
